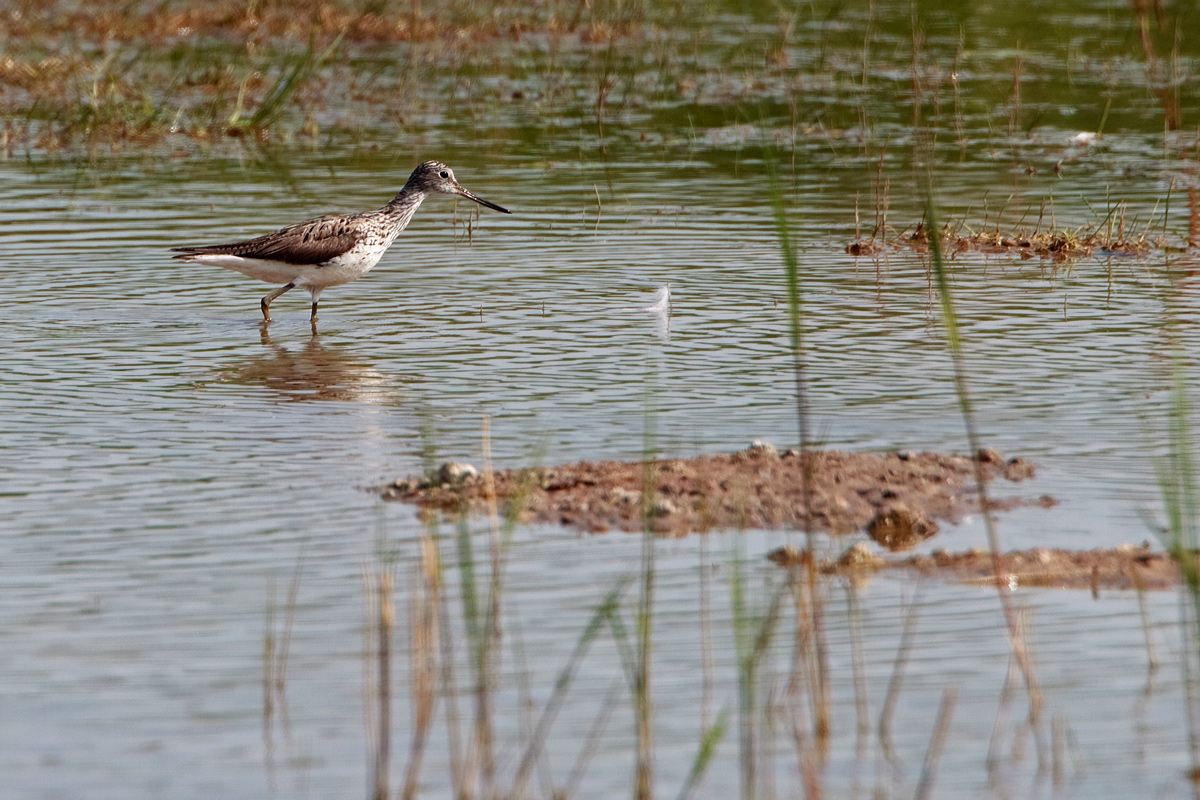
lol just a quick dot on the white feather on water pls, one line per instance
(662, 301)
(660, 309)
(661, 304)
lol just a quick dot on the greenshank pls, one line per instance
(330, 250)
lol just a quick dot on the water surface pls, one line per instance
(166, 464)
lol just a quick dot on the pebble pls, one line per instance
(663, 508)
(626, 496)
(455, 472)
(860, 556)
(900, 527)
(765, 448)
(987, 455)
(1018, 469)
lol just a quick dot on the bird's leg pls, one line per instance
(316, 295)
(266, 301)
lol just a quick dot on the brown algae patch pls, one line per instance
(753, 488)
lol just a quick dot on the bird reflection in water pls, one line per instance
(311, 372)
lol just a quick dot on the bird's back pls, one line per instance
(315, 241)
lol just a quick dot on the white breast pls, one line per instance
(347, 267)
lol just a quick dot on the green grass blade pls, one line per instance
(606, 611)
(705, 754)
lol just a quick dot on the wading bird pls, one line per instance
(331, 250)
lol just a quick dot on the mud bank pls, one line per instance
(898, 496)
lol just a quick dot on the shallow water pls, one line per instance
(166, 465)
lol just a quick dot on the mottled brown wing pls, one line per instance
(313, 242)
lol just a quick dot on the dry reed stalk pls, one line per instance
(863, 89)
(821, 685)
(882, 188)
(798, 676)
(460, 768)
(606, 613)
(275, 666)
(276, 648)
(1007, 691)
(765, 750)
(1144, 615)
(1058, 746)
(590, 745)
(1163, 85)
(489, 636)
(812, 629)
(960, 128)
(268, 658)
(424, 607)
(1000, 215)
(918, 41)
(268, 688)
(857, 225)
(858, 666)
(1193, 217)
(934, 754)
(899, 664)
(604, 85)
(525, 703)
(642, 704)
(1003, 589)
(706, 639)
(752, 639)
(644, 767)
(808, 759)
(386, 623)
(807, 658)
(1014, 101)
(1150, 217)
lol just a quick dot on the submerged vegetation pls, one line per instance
(633, 74)
(109, 74)
(1061, 245)
(612, 82)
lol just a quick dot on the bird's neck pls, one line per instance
(402, 207)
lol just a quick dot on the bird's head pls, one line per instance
(434, 176)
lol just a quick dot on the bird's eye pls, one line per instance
(444, 174)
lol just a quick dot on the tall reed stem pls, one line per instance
(810, 619)
(955, 344)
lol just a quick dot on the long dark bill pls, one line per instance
(472, 196)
